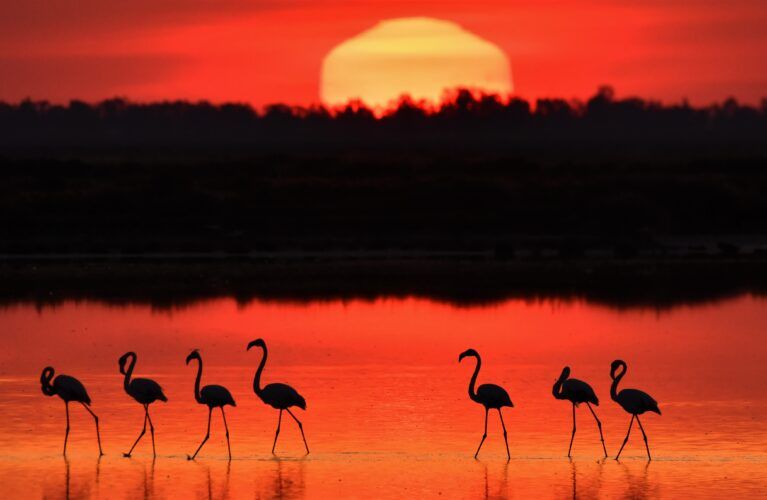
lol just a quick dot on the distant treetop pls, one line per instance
(465, 118)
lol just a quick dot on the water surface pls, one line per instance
(388, 412)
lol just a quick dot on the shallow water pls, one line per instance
(388, 413)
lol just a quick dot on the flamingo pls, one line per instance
(214, 396)
(69, 389)
(490, 396)
(144, 391)
(577, 392)
(633, 401)
(278, 396)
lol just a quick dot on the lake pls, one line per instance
(388, 414)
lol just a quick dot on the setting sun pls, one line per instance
(421, 57)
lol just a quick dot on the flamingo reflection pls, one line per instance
(502, 486)
(288, 480)
(68, 478)
(638, 486)
(634, 401)
(147, 482)
(84, 487)
(577, 392)
(490, 396)
(593, 483)
(224, 489)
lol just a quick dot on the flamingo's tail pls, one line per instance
(301, 403)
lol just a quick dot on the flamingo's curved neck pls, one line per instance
(257, 378)
(45, 380)
(129, 372)
(616, 380)
(473, 381)
(557, 389)
(197, 395)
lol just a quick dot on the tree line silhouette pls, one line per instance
(466, 119)
(557, 197)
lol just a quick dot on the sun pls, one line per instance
(418, 56)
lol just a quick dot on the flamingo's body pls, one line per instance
(281, 396)
(69, 389)
(278, 396)
(216, 396)
(490, 396)
(577, 392)
(634, 401)
(143, 390)
(213, 396)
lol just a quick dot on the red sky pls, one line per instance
(262, 51)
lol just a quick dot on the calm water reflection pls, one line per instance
(387, 410)
(380, 477)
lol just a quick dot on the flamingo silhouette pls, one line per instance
(490, 396)
(144, 391)
(278, 396)
(633, 401)
(577, 392)
(214, 396)
(69, 389)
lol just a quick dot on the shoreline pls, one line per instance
(459, 278)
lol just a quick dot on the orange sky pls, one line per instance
(262, 51)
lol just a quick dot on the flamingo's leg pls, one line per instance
(226, 427)
(66, 434)
(572, 436)
(207, 435)
(645, 438)
(301, 427)
(95, 419)
(627, 437)
(279, 421)
(151, 429)
(505, 440)
(599, 424)
(484, 435)
(143, 431)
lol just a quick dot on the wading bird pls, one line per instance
(633, 401)
(69, 389)
(279, 396)
(490, 396)
(143, 390)
(214, 396)
(577, 392)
